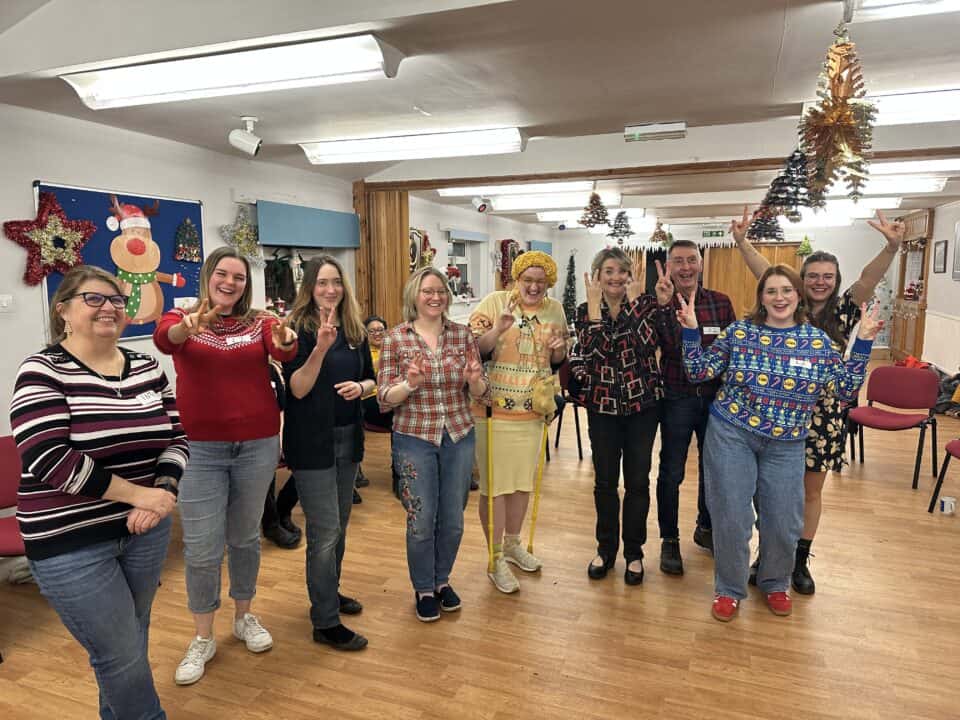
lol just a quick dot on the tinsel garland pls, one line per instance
(508, 252)
(244, 237)
(40, 235)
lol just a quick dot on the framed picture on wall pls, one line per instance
(940, 256)
(956, 251)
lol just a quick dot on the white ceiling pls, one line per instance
(557, 68)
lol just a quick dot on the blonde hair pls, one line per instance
(242, 310)
(75, 277)
(616, 254)
(412, 289)
(303, 314)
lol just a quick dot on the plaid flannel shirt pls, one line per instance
(443, 401)
(714, 313)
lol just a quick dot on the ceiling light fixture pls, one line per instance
(870, 10)
(281, 67)
(548, 201)
(919, 107)
(571, 216)
(414, 147)
(244, 139)
(892, 185)
(944, 165)
(518, 189)
(655, 131)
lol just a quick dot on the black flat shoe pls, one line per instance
(349, 605)
(281, 537)
(599, 572)
(356, 497)
(340, 638)
(362, 480)
(633, 578)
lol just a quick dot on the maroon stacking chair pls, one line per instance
(953, 450)
(563, 373)
(11, 542)
(904, 389)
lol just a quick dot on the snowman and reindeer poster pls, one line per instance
(136, 241)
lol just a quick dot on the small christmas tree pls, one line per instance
(621, 228)
(765, 226)
(187, 242)
(570, 291)
(805, 247)
(789, 190)
(595, 213)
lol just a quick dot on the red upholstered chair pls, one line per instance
(953, 449)
(563, 373)
(11, 542)
(904, 389)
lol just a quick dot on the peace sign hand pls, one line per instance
(472, 371)
(739, 227)
(556, 340)
(415, 374)
(870, 323)
(664, 286)
(687, 314)
(637, 282)
(283, 336)
(506, 319)
(326, 332)
(892, 231)
(196, 322)
(594, 291)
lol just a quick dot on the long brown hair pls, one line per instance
(75, 277)
(826, 319)
(303, 313)
(242, 310)
(758, 314)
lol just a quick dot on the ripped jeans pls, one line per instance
(434, 487)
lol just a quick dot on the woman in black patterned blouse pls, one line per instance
(837, 314)
(615, 366)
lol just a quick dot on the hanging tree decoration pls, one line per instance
(765, 225)
(595, 213)
(243, 236)
(661, 237)
(621, 228)
(186, 242)
(790, 191)
(837, 134)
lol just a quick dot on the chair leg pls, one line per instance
(933, 443)
(556, 442)
(936, 489)
(852, 432)
(860, 433)
(546, 447)
(916, 467)
(576, 422)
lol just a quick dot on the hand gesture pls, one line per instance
(196, 322)
(349, 389)
(892, 231)
(739, 227)
(326, 332)
(140, 521)
(637, 282)
(415, 374)
(156, 500)
(283, 336)
(664, 286)
(870, 323)
(594, 291)
(472, 371)
(506, 319)
(556, 340)
(687, 314)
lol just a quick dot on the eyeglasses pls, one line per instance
(376, 331)
(430, 292)
(98, 299)
(533, 283)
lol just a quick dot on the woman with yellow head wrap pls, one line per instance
(523, 332)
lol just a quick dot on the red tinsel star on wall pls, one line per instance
(40, 236)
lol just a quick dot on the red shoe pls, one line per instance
(724, 608)
(779, 603)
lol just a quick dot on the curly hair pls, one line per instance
(535, 258)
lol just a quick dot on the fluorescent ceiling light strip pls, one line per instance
(573, 214)
(722, 197)
(944, 165)
(869, 10)
(520, 189)
(411, 147)
(319, 62)
(907, 185)
(546, 201)
(920, 107)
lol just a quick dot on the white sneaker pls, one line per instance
(516, 554)
(255, 635)
(503, 578)
(191, 667)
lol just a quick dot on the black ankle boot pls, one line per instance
(801, 579)
(670, 561)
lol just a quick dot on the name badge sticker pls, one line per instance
(237, 339)
(711, 330)
(800, 362)
(148, 398)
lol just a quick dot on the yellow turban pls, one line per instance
(535, 258)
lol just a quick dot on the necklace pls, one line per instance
(116, 387)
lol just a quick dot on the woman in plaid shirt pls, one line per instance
(429, 371)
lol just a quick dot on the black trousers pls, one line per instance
(629, 437)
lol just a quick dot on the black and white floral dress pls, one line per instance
(824, 447)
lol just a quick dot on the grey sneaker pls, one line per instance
(516, 554)
(503, 578)
(191, 667)
(255, 635)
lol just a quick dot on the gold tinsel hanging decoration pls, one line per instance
(837, 134)
(661, 237)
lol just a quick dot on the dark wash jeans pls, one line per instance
(629, 437)
(681, 417)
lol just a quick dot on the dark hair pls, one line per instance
(683, 244)
(375, 318)
(826, 319)
(758, 313)
(75, 277)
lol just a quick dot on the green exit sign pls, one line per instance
(713, 233)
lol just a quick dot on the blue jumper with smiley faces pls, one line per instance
(772, 377)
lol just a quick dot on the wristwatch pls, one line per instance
(165, 482)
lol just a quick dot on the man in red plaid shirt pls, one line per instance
(686, 406)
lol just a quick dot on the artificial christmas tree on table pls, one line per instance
(570, 291)
(187, 242)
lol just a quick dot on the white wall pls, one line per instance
(41, 146)
(941, 337)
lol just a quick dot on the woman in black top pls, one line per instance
(323, 434)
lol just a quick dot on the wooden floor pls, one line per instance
(878, 640)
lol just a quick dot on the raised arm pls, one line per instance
(849, 376)
(757, 263)
(873, 271)
(701, 365)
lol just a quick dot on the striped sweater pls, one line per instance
(75, 429)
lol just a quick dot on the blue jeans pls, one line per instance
(682, 416)
(221, 503)
(739, 464)
(434, 487)
(327, 498)
(103, 594)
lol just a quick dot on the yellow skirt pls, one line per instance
(516, 444)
